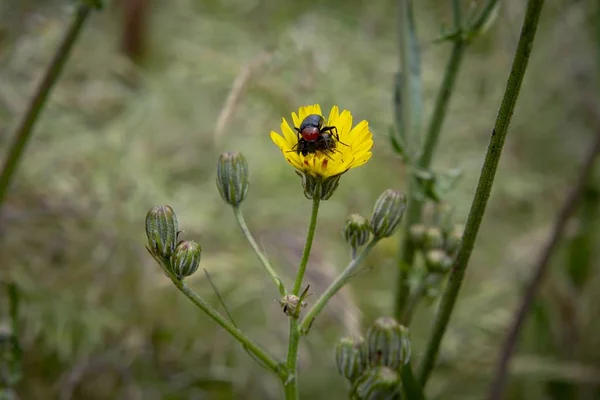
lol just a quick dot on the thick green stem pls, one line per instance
(268, 361)
(25, 127)
(340, 281)
(307, 246)
(261, 256)
(484, 186)
(291, 385)
(415, 202)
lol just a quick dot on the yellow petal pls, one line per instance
(279, 141)
(295, 120)
(333, 115)
(288, 133)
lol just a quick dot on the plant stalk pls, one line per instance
(261, 256)
(268, 361)
(568, 208)
(415, 202)
(291, 385)
(307, 246)
(340, 281)
(25, 128)
(484, 186)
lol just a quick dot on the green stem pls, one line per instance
(409, 119)
(291, 385)
(415, 203)
(456, 15)
(412, 304)
(341, 280)
(482, 18)
(484, 186)
(261, 256)
(307, 246)
(25, 127)
(244, 340)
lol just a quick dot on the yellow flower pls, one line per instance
(352, 150)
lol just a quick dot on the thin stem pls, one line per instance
(406, 60)
(456, 14)
(415, 203)
(484, 186)
(261, 256)
(412, 304)
(268, 361)
(562, 219)
(340, 281)
(307, 246)
(482, 18)
(25, 127)
(291, 385)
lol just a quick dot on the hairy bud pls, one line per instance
(232, 178)
(356, 230)
(351, 357)
(387, 213)
(186, 259)
(388, 343)
(161, 229)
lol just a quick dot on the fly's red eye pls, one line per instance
(310, 133)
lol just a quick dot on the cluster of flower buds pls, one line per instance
(387, 214)
(179, 259)
(439, 244)
(373, 367)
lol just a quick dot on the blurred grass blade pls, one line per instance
(214, 288)
(581, 245)
(222, 301)
(24, 129)
(412, 389)
(10, 349)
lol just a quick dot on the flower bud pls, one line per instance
(387, 213)
(454, 239)
(417, 234)
(377, 383)
(434, 239)
(438, 261)
(186, 259)
(232, 178)
(351, 357)
(388, 343)
(356, 231)
(161, 229)
(316, 187)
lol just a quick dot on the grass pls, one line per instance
(101, 321)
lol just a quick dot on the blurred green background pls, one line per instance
(139, 118)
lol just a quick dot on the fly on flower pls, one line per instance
(315, 157)
(314, 136)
